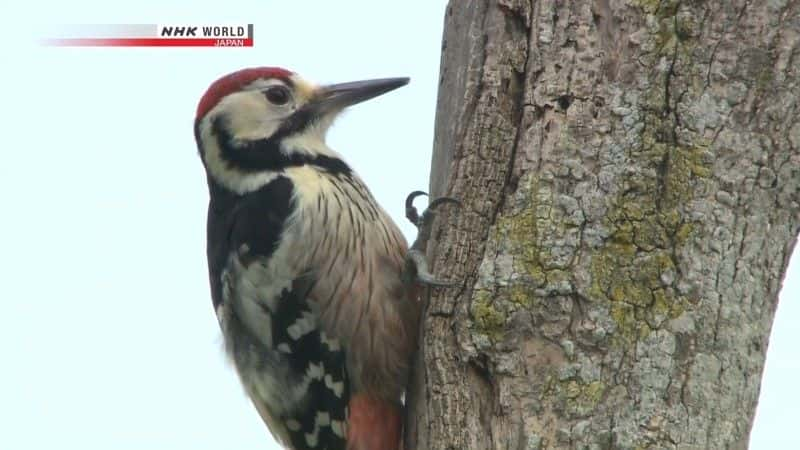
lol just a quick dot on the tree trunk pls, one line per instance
(630, 173)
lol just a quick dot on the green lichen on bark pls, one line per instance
(581, 398)
(518, 233)
(630, 281)
(574, 397)
(635, 269)
(487, 318)
(521, 295)
(520, 230)
(490, 311)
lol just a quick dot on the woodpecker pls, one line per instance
(314, 286)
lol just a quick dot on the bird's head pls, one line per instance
(253, 123)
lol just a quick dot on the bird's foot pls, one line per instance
(424, 221)
(416, 264)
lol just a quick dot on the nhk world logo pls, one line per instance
(151, 35)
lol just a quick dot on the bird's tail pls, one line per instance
(373, 424)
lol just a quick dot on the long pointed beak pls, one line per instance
(339, 96)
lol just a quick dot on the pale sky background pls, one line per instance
(108, 338)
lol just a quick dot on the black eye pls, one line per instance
(277, 95)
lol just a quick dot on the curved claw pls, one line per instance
(430, 212)
(412, 196)
(411, 212)
(442, 200)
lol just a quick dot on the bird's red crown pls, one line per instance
(234, 82)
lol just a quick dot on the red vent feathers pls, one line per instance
(373, 424)
(234, 82)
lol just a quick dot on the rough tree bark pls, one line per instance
(630, 172)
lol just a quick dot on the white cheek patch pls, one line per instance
(248, 115)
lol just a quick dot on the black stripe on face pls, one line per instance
(266, 154)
